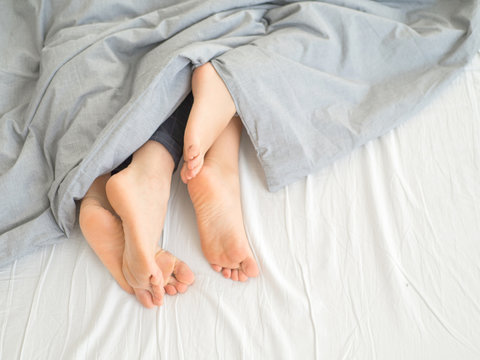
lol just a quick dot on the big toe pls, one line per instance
(249, 267)
(177, 274)
(145, 298)
(166, 262)
(182, 273)
(191, 150)
(180, 280)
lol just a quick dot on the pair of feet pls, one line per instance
(122, 216)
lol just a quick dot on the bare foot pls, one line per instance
(139, 195)
(104, 233)
(215, 193)
(212, 109)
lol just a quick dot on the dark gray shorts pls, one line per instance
(170, 133)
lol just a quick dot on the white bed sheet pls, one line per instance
(375, 257)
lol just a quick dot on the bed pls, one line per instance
(374, 257)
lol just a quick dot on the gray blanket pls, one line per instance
(83, 84)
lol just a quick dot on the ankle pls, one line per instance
(153, 157)
(155, 177)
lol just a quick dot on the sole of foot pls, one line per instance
(104, 233)
(141, 203)
(215, 194)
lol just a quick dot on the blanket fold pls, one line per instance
(83, 85)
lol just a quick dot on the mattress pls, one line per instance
(374, 257)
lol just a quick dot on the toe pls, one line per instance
(158, 291)
(241, 276)
(249, 267)
(192, 150)
(227, 273)
(194, 172)
(182, 273)
(217, 268)
(176, 273)
(157, 301)
(157, 279)
(183, 173)
(144, 297)
(195, 162)
(170, 289)
(189, 174)
(179, 287)
(234, 276)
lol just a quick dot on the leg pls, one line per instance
(103, 231)
(215, 193)
(139, 195)
(212, 109)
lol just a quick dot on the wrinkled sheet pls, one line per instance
(375, 257)
(84, 84)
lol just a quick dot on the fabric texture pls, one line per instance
(170, 134)
(85, 84)
(374, 257)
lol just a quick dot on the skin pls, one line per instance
(122, 216)
(104, 230)
(212, 141)
(139, 195)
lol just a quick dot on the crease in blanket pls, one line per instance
(83, 85)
